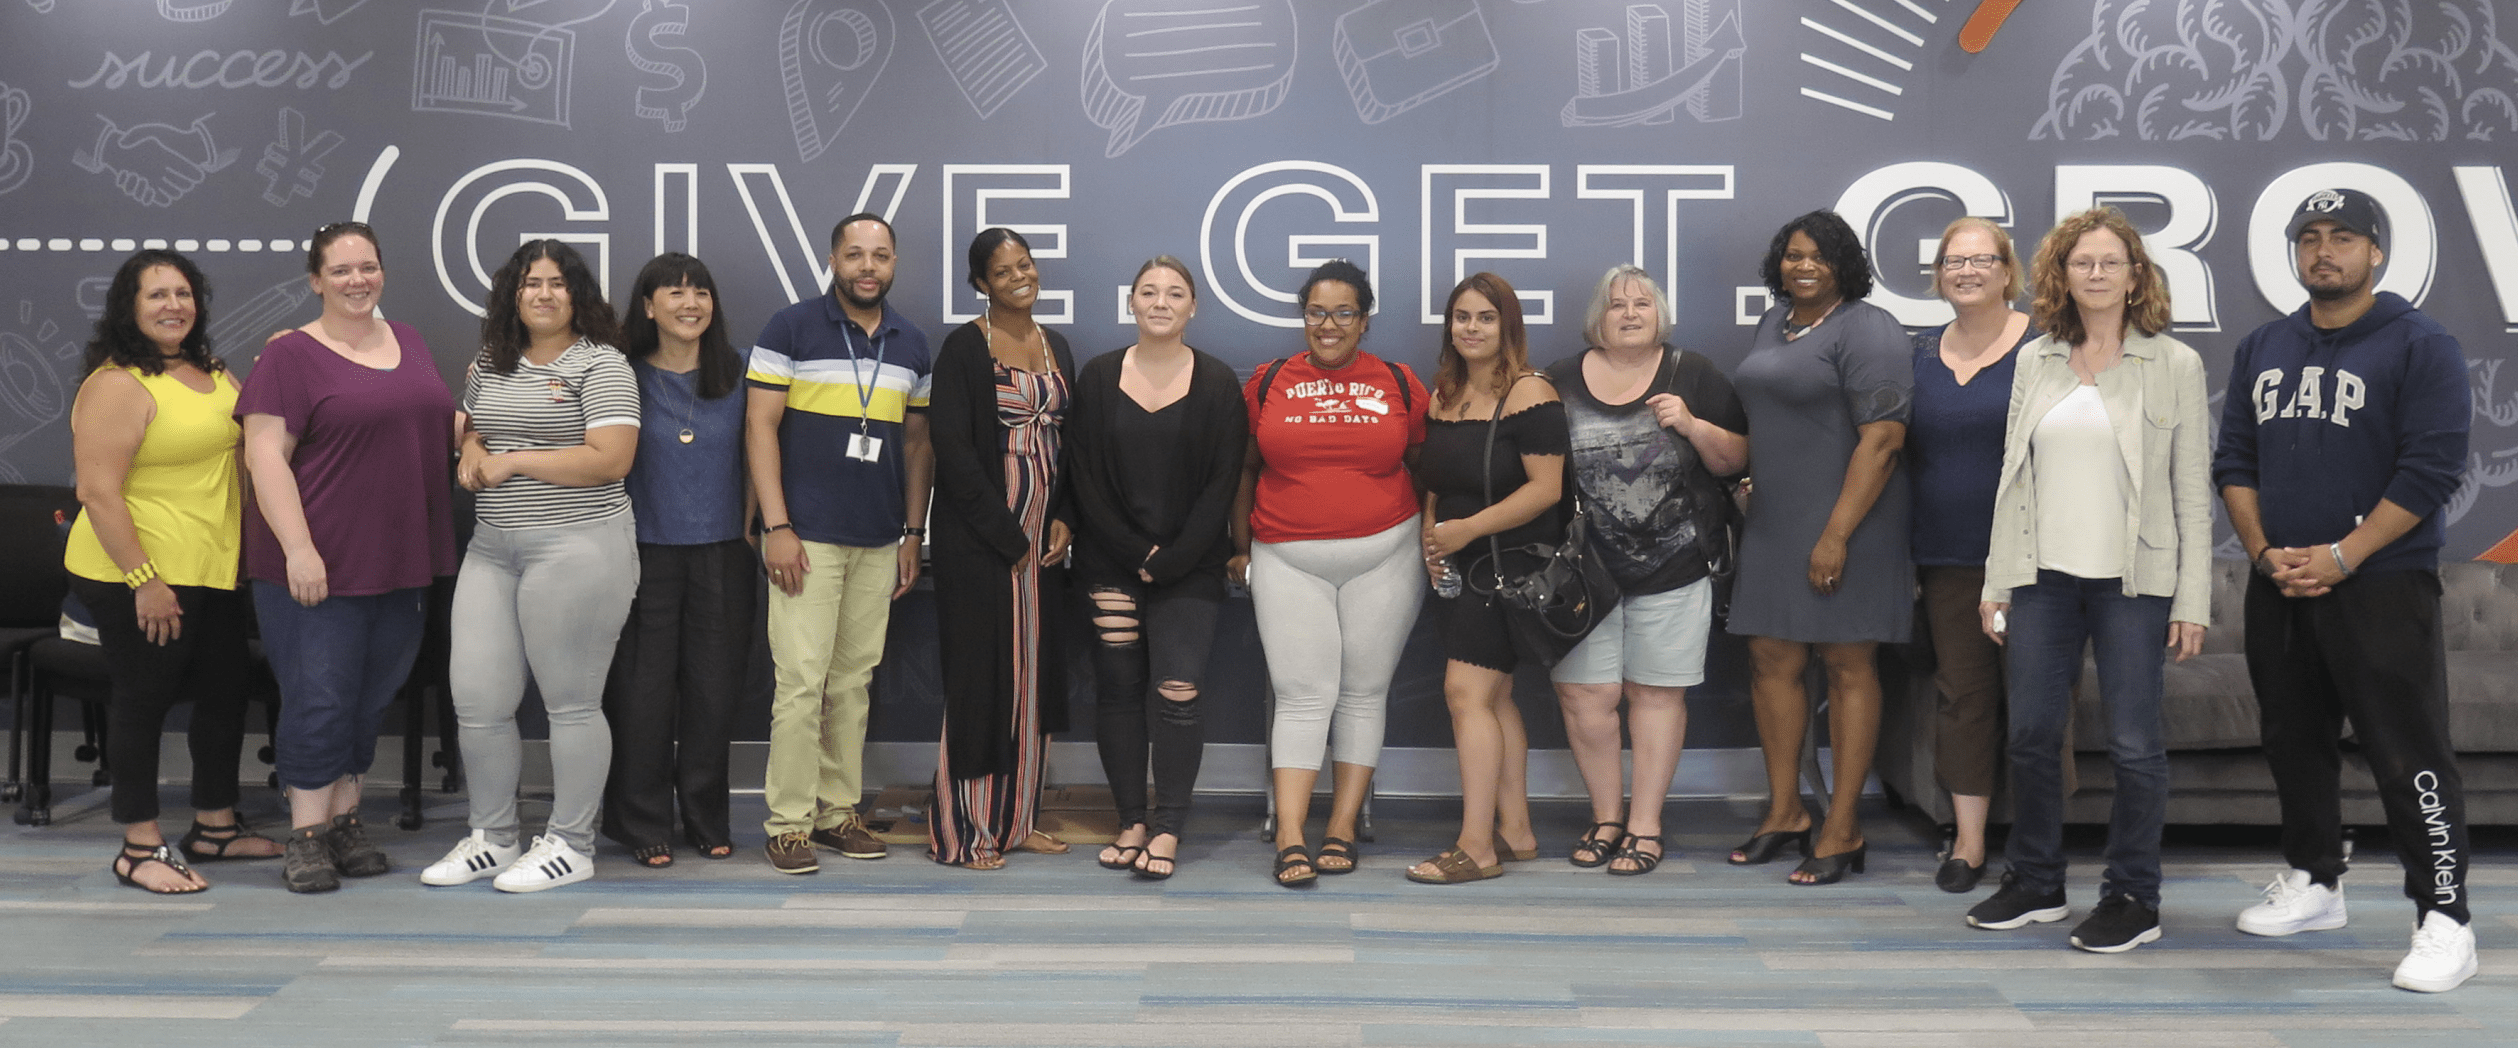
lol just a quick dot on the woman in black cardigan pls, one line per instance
(998, 407)
(1154, 447)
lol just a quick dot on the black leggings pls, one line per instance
(2372, 652)
(206, 666)
(1160, 638)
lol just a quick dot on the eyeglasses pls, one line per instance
(1339, 317)
(2109, 266)
(1954, 263)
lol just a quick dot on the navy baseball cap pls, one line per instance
(2349, 208)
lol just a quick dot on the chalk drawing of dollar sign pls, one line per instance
(658, 22)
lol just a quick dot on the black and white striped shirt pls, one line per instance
(542, 407)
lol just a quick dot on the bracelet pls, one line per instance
(2336, 549)
(909, 532)
(140, 576)
(778, 527)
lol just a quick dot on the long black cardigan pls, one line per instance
(976, 542)
(1109, 543)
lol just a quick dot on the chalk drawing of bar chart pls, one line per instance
(1657, 65)
(490, 66)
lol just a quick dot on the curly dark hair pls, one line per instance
(503, 334)
(984, 247)
(720, 367)
(2051, 306)
(1512, 342)
(1838, 246)
(119, 342)
(1339, 271)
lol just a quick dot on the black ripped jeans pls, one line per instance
(1149, 662)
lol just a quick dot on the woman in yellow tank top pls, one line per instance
(154, 558)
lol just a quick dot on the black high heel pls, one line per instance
(1761, 849)
(1831, 869)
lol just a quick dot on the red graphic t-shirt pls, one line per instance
(1331, 445)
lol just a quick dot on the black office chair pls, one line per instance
(32, 583)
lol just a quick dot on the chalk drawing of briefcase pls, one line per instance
(1399, 54)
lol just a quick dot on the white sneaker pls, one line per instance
(473, 858)
(2293, 904)
(548, 864)
(2442, 957)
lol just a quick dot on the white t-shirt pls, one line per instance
(2081, 485)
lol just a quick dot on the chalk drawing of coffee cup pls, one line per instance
(830, 53)
(1399, 54)
(17, 159)
(1149, 65)
(32, 395)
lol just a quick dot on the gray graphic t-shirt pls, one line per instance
(1651, 498)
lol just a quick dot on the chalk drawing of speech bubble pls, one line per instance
(1149, 64)
(830, 52)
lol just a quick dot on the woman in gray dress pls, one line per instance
(1823, 558)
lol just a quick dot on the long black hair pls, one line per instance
(503, 334)
(720, 367)
(984, 247)
(1838, 247)
(118, 340)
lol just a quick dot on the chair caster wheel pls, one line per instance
(408, 821)
(11, 792)
(266, 755)
(101, 779)
(85, 753)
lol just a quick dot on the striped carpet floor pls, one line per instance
(1056, 951)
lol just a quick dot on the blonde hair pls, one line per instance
(2018, 285)
(2054, 311)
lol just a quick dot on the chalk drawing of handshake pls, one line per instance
(155, 164)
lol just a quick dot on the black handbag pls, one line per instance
(1551, 608)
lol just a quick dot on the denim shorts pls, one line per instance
(1655, 639)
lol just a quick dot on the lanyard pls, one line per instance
(865, 388)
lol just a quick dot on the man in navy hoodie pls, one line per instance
(2343, 436)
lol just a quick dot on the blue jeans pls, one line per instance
(2049, 622)
(339, 664)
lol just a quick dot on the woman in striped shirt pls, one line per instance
(550, 417)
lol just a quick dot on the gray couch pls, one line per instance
(2216, 769)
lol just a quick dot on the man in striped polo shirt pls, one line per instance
(836, 429)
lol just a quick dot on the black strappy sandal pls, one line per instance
(1593, 850)
(1291, 858)
(649, 856)
(139, 855)
(1643, 863)
(211, 843)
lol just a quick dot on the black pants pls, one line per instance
(2370, 650)
(206, 665)
(1174, 630)
(677, 679)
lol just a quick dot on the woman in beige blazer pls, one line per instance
(2102, 535)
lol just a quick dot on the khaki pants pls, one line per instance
(824, 643)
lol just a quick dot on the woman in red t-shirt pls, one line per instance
(1327, 529)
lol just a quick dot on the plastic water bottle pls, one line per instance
(1449, 585)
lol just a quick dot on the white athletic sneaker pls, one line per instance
(473, 858)
(2442, 957)
(548, 864)
(2293, 904)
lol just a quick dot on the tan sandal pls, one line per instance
(1041, 843)
(1454, 866)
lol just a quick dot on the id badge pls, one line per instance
(864, 447)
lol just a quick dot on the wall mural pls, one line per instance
(1425, 139)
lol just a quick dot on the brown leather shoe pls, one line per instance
(792, 853)
(852, 839)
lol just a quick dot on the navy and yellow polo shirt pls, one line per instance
(828, 368)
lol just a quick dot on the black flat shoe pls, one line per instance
(1594, 850)
(1831, 869)
(1957, 877)
(1762, 848)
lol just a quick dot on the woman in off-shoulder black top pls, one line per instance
(1485, 359)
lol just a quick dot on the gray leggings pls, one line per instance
(1333, 616)
(548, 603)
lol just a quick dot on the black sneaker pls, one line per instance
(2013, 905)
(351, 852)
(308, 865)
(2120, 923)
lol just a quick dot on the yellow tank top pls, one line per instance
(185, 498)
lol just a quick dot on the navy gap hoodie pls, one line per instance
(2323, 424)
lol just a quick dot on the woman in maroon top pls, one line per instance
(1327, 529)
(348, 430)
